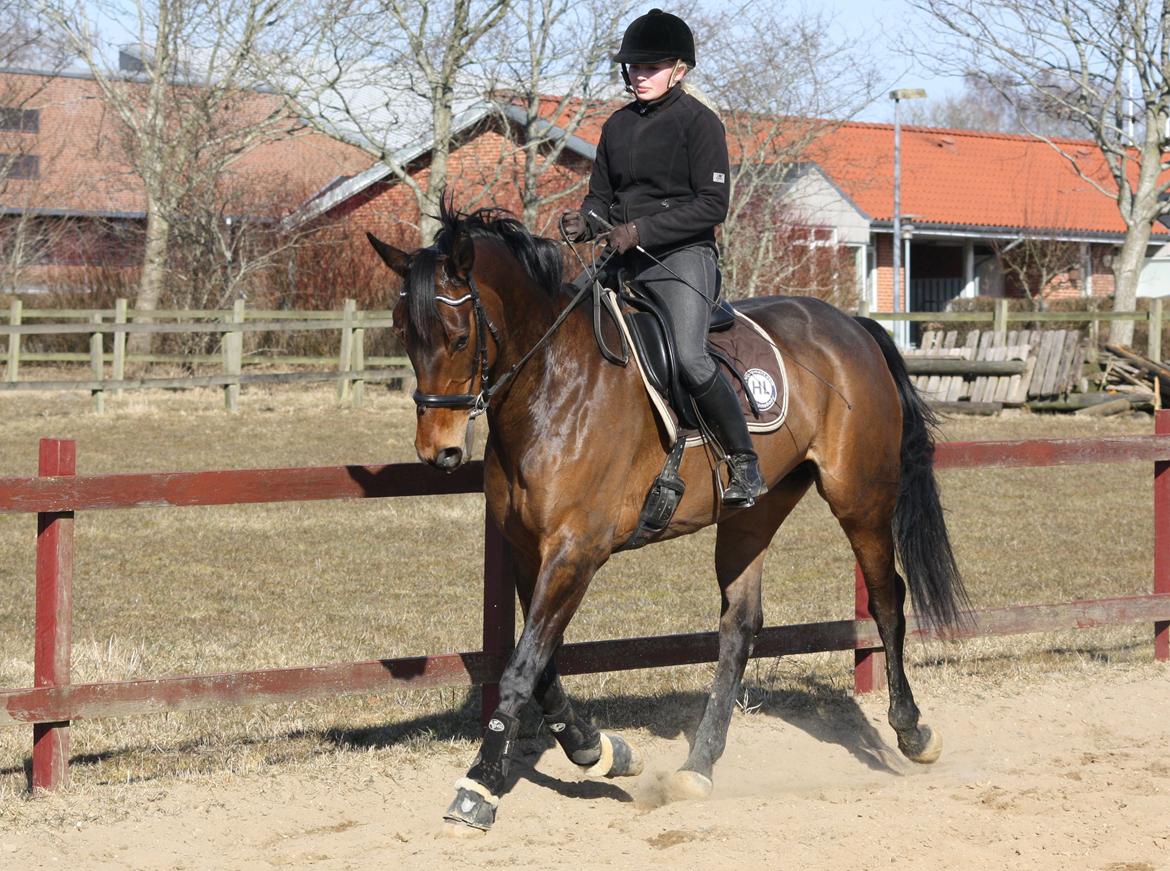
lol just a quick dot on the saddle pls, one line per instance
(734, 341)
(655, 345)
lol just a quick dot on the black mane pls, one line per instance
(540, 257)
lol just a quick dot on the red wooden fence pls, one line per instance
(54, 701)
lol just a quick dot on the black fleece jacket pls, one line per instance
(663, 166)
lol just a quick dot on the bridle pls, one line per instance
(477, 402)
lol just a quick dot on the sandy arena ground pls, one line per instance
(1057, 771)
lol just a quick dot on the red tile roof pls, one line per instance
(971, 178)
(960, 178)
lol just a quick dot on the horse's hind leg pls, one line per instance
(598, 754)
(871, 536)
(740, 546)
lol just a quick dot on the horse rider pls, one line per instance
(660, 184)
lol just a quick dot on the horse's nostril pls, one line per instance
(449, 459)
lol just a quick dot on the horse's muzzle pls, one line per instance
(448, 459)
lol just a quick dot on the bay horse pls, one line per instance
(573, 447)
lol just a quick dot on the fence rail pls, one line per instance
(58, 493)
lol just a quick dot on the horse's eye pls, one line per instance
(460, 343)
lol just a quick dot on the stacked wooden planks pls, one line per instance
(1049, 364)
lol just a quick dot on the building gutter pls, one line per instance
(74, 213)
(988, 232)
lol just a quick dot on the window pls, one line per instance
(14, 166)
(22, 120)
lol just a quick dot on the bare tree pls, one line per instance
(26, 41)
(30, 55)
(392, 76)
(1034, 264)
(781, 81)
(1104, 66)
(185, 106)
(554, 73)
(981, 106)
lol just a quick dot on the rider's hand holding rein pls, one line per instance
(575, 228)
(624, 237)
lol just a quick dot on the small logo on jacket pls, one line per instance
(718, 177)
(762, 386)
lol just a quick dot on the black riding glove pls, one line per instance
(575, 227)
(624, 237)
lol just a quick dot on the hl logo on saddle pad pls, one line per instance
(762, 386)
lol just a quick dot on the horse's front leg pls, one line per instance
(560, 584)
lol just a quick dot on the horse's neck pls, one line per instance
(567, 378)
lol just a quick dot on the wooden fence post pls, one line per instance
(97, 366)
(999, 327)
(119, 373)
(358, 362)
(345, 355)
(52, 648)
(869, 663)
(14, 314)
(1154, 345)
(1162, 537)
(499, 607)
(233, 357)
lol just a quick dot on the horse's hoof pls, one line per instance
(471, 809)
(920, 745)
(460, 831)
(685, 785)
(618, 758)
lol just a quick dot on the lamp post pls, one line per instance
(901, 328)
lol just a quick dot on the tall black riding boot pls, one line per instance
(720, 409)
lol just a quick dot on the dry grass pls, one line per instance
(195, 590)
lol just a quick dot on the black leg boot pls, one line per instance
(719, 408)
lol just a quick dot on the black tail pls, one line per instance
(920, 530)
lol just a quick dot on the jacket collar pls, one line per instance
(669, 98)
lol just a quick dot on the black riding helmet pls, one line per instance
(657, 36)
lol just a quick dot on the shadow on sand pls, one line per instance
(826, 713)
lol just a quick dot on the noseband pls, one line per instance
(477, 402)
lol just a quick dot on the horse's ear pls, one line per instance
(462, 255)
(397, 260)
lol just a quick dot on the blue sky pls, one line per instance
(878, 25)
(875, 25)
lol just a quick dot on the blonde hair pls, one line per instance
(698, 93)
